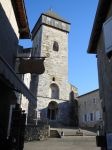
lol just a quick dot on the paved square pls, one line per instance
(66, 143)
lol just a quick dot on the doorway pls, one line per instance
(52, 111)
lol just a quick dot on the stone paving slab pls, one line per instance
(66, 143)
(72, 132)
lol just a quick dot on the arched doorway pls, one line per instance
(52, 111)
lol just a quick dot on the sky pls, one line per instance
(80, 13)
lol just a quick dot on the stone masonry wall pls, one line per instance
(105, 79)
(63, 109)
(90, 103)
(56, 66)
(56, 63)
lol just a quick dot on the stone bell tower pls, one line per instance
(50, 40)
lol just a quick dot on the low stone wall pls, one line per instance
(37, 132)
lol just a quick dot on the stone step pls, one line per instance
(54, 134)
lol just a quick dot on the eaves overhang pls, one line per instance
(101, 14)
(21, 17)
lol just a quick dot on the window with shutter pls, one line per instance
(98, 115)
(107, 32)
(91, 116)
(85, 117)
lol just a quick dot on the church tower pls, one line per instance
(50, 40)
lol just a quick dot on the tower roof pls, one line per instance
(54, 15)
(43, 21)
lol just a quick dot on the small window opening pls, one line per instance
(53, 79)
(55, 46)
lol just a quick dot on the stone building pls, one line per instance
(25, 66)
(50, 40)
(101, 44)
(90, 110)
(74, 119)
(14, 26)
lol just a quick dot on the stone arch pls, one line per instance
(52, 111)
(54, 91)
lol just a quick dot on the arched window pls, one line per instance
(55, 46)
(54, 91)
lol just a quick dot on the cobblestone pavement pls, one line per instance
(66, 143)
